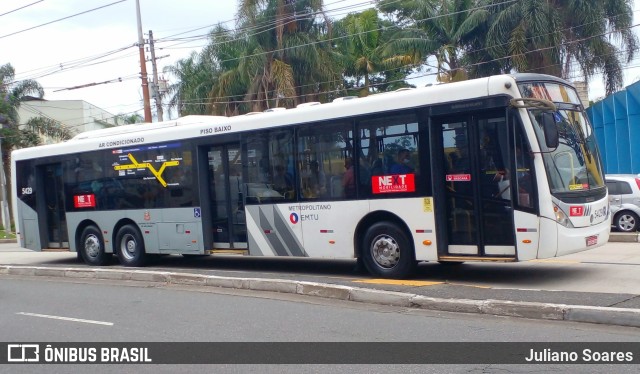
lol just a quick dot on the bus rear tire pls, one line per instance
(92, 247)
(130, 247)
(387, 251)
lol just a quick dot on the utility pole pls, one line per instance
(156, 88)
(6, 219)
(143, 67)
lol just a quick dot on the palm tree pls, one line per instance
(128, 119)
(444, 29)
(14, 135)
(227, 51)
(285, 57)
(316, 64)
(269, 75)
(564, 38)
(194, 81)
(361, 45)
(278, 56)
(373, 58)
(12, 93)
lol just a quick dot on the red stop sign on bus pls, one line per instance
(458, 177)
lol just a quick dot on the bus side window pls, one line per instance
(388, 145)
(524, 179)
(336, 186)
(320, 159)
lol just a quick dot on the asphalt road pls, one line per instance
(52, 310)
(605, 277)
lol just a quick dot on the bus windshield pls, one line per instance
(575, 164)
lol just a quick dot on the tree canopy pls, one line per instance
(284, 52)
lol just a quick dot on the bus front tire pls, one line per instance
(92, 247)
(387, 251)
(130, 247)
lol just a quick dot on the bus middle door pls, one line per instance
(226, 196)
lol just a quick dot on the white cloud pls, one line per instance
(54, 47)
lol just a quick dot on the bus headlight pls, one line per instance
(561, 217)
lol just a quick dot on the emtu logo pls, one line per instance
(294, 218)
(23, 353)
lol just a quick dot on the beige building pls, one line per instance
(583, 92)
(76, 115)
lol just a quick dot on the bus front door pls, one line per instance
(476, 217)
(54, 221)
(226, 197)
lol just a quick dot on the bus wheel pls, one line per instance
(387, 252)
(92, 247)
(130, 246)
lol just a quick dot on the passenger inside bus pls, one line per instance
(377, 167)
(523, 178)
(402, 164)
(317, 180)
(282, 182)
(348, 179)
(525, 184)
(501, 179)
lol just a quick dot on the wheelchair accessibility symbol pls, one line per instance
(197, 213)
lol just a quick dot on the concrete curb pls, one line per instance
(624, 237)
(546, 311)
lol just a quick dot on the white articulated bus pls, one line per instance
(504, 169)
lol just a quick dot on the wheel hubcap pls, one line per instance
(92, 246)
(626, 222)
(385, 251)
(128, 247)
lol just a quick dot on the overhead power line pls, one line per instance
(61, 19)
(22, 7)
(119, 79)
(255, 30)
(88, 61)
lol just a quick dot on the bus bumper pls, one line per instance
(572, 240)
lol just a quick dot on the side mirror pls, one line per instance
(550, 129)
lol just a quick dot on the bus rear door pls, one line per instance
(51, 206)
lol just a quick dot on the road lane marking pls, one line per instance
(397, 282)
(468, 285)
(66, 318)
